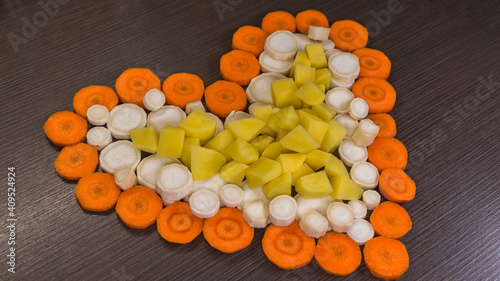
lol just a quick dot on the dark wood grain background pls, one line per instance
(445, 57)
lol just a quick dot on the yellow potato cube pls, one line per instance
(315, 185)
(261, 142)
(314, 126)
(220, 142)
(243, 152)
(205, 162)
(186, 150)
(291, 162)
(317, 159)
(324, 112)
(299, 140)
(281, 134)
(300, 58)
(233, 172)
(283, 91)
(171, 142)
(345, 189)
(302, 171)
(281, 185)
(263, 112)
(284, 119)
(303, 74)
(262, 171)
(323, 77)
(310, 94)
(335, 167)
(199, 125)
(246, 129)
(316, 55)
(145, 139)
(272, 151)
(333, 137)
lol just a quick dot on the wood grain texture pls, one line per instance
(441, 51)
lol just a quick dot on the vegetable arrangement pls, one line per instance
(321, 93)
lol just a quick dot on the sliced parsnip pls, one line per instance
(231, 195)
(149, 168)
(350, 153)
(371, 198)
(213, 184)
(318, 33)
(125, 118)
(358, 109)
(358, 208)
(125, 178)
(281, 45)
(174, 183)
(338, 99)
(334, 82)
(313, 224)
(303, 40)
(219, 127)
(365, 133)
(253, 195)
(99, 137)
(328, 45)
(118, 155)
(256, 214)
(347, 122)
(154, 99)
(236, 115)
(365, 174)
(271, 65)
(282, 210)
(344, 66)
(259, 89)
(361, 231)
(330, 52)
(319, 205)
(340, 216)
(166, 115)
(194, 105)
(204, 204)
(97, 115)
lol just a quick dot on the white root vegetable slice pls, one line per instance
(371, 198)
(318, 33)
(204, 204)
(313, 224)
(213, 184)
(149, 168)
(268, 64)
(124, 118)
(166, 115)
(365, 133)
(361, 231)
(319, 205)
(154, 99)
(256, 214)
(236, 115)
(174, 183)
(281, 45)
(365, 174)
(219, 127)
(347, 122)
(334, 82)
(340, 216)
(350, 153)
(190, 107)
(231, 195)
(99, 137)
(303, 40)
(118, 155)
(259, 89)
(125, 178)
(253, 195)
(338, 99)
(330, 52)
(282, 210)
(328, 45)
(344, 66)
(98, 115)
(358, 109)
(358, 208)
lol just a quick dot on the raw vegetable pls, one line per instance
(262, 171)
(204, 203)
(338, 99)
(222, 97)
(318, 33)
(166, 115)
(334, 135)
(125, 118)
(350, 153)
(310, 93)
(281, 45)
(302, 74)
(231, 195)
(364, 174)
(358, 208)
(199, 125)
(138, 207)
(344, 66)
(99, 137)
(125, 178)
(235, 116)
(177, 224)
(259, 89)
(378, 94)
(396, 186)
(327, 45)
(239, 67)
(269, 64)
(282, 210)
(174, 183)
(233, 172)
(335, 82)
(348, 35)
(373, 63)
(256, 214)
(171, 142)
(310, 17)
(75, 161)
(213, 184)
(250, 39)
(313, 224)
(154, 99)
(186, 150)
(344, 188)
(219, 127)
(337, 254)
(315, 185)
(145, 139)
(303, 40)
(243, 152)
(118, 155)
(205, 162)
(92, 95)
(386, 153)
(357, 108)
(183, 88)
(371, 198)
(386, 258)
(253, 195)
(316, 55)
(97, 192)
(361, 231)
(340, 216)
(386, 124)
(190, 107)
(391, 220)
(133, 84)
(149, 168)
(281, 185)
(97, 115)
(365, 132)
(279, 20)
(348, 123)
(65, 128)
(319, 205)
(246, 129)
(299, 140)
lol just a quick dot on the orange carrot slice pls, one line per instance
(373, 63)
(386, 153)
(177, 224)
(65, 128)
(75, 161)
(279, 20)
(97, 192)
(183, 88)
(310, 17)
(250, 39)
(386, 258)
(288, 247)
(348, 35)
(239, 67)
(138, 207)
(395, 185)
(391, 220)
(133, 84)
(337, 254)
(93, 95)
(386, 124)
(228, 231)
(222, 97)
(378, 94)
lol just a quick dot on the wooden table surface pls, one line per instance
(445, 57)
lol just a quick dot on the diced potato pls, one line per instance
(233, 172)
(291, 162)
(268, 132)
(323, 76)
(317, 159)
(284, 119)
(307, 110)
(261, 142)
(272, 151)
(199, 125)
(310, 93)
(321, 87)
(299, 140)
(345, 189)
(281, 185)
(302, 171)
(246, 129)
(243, 152)
(300, 58)
(262, 171)
(333, 137)
(186, 150)
(205, 162)
(315, 185)
(171, 142)
(220, 142)
(335, 167)
(281, 134)
(283, 91)
(324, 112)
(263, 112)
(313, 125)
(303, 73)
(316, 55)
(145, 139)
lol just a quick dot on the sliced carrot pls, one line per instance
(391, 220)
(222, 97)
(97, 192)
(288, 247)
(395, 185)
(75, 161)
(386, 258)
(386, 153)
(65, 128)
(348, 35)
(250, 39)
(239, 67)
(93, 95)
(373, 63)
(386, 124)
(378, 94)
(133, 84)
(182, 88)
(337, 254)
(138, 207)
(279, 20)
(177, 224)
(228, 231)
(310, 17)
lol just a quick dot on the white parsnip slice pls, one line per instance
(213, 184)
(204, 204)
(219, 127)
(98, 115)
(338, 99)
(174, 183)
(328, 45)
(358, 108)
(166, 115)
(350, 153)
(282, 210)
(125, 178)
(313, 224)
(371, 198)
(190, 107)
(303, 40)
(334, 82)
(271, 65)
(256, 214)
(154, 99)
(344, 66)
(231, 195)
(340, 216)
(236, 115)
(124, 118)
(318, 33)
(361, 231)
(149, 168)
(359, 209)
(253, 195)
(347, 122)
(365, 174)
(118, 155)
(99, 137)
(259, 89)
(365, 133)
(281, 45)
(330, 52)
(319, 205)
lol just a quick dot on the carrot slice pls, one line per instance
(133, 84)
(373, 63)
(222, 97)
(310, 17)
(279, 20)
(378, 94)
(386, 153)
(348, 35)
(177, 224)
(97, 192)
(386, 258)
(337, 254)
(65, 128)
(75, 161)
(138, 207)
(288, 247)
(239, 67)
(182, 88)
(395, 185)
(250, 39)
(93, 95)
(228, 231)
(391, 220)
(386, 124)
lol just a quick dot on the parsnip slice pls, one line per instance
(371, 198)
(204, 204)
(231, 195)
(313, 224)
(340, 216)
(125, 118)
(365, 133)
(99, 137)
(98, 115)
(154, 99)
(350, 153)
(281, 45)
(125, 178)
(338, 99)
(166, 115)
(361, 231)
(174, 183)
(118, 155)
(282, 210)
(256, 214)
(271, 65)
